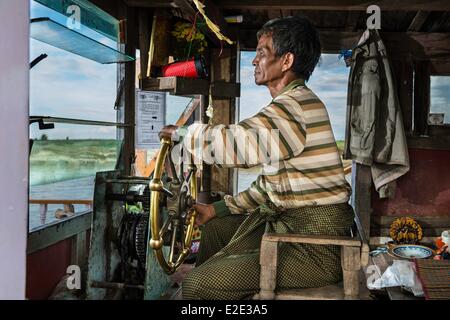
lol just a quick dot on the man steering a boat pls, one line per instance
(302, 189)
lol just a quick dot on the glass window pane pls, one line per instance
(440, 100)
(66, 85)
(87, 13)
(57, 35)
(65, 168)
(38, 10)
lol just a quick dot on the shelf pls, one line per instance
(176, 85)
(57, 35)
(189, 86)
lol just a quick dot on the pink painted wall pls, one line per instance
(14, 83)
(424, 190)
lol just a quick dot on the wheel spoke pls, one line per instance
(167, 192)
(173, 241)
(165, 226)
(171, 167)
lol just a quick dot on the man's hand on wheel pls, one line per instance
(205, 212)
(167, 131)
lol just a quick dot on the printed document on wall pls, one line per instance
(150, 118)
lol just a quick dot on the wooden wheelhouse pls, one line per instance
(417, 36)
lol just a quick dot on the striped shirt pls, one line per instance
(301, 165)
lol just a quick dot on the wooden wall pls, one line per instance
(424, 192)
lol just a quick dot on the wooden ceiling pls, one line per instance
(340, 22)
(343, 15)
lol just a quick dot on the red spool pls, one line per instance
(194, 68)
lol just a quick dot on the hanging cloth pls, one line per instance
(375, 134)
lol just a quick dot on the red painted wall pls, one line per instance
(424, 190)
(45, 268)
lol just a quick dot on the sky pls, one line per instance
(67, 85)
(440, 96)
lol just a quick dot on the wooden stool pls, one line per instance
(354, 255)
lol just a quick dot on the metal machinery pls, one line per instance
(130, 212)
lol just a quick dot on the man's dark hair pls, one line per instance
(298, 36)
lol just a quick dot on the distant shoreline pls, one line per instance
(60, 159)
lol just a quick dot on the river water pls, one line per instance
(75, 189)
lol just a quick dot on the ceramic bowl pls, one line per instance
(411, 251)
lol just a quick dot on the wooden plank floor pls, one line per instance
(175, 292)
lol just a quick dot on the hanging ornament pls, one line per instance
(210, 109)
(211, 25)
(405, 230)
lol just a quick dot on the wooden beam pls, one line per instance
(421, 97)
(440, 22)
(128, 71)
(176, 85)
(222, 89)
(159, 50)
(415, 45)
(190, 12)
(272, 14)
(332, 41)
(312, 239)
(418, 21)
(149, 3)
(429, 143)
(403, 73)
(432, 226)
(361, 197)
(223, 68)
(185, 6)
(353, 5)
(418, 45)
(336, 41)
(286, 13)
(351, 23)
(440, 67)
(144, 39)
(442, 130)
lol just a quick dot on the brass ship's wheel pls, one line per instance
(171, 233)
